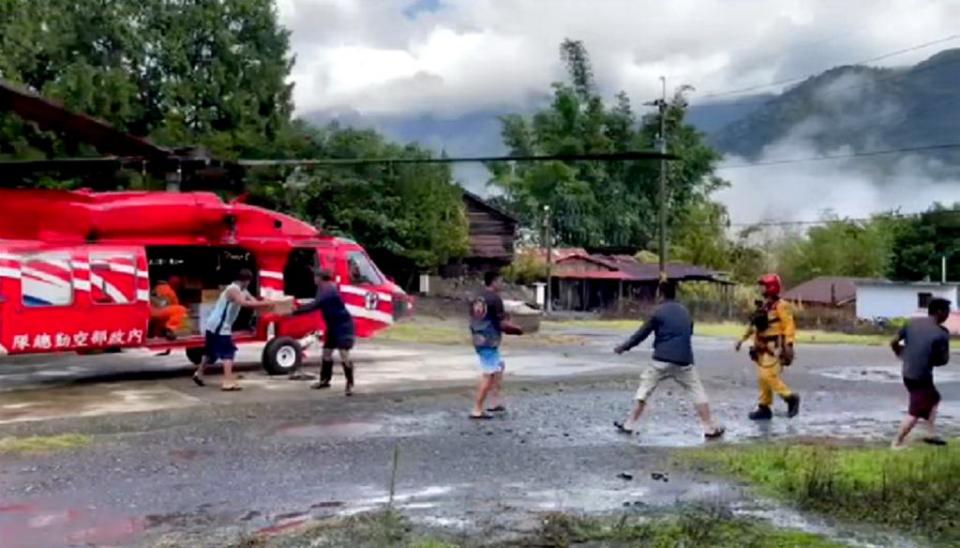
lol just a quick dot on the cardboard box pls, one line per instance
(282, 306)
(209, 295)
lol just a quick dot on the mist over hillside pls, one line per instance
(842, 111)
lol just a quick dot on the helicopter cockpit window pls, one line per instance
(362, 270)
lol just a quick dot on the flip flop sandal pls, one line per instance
(621, 428)
(716, 434)
(483, 417)
(497, 409)
(231, 388)
(938, 441)
(198, 381)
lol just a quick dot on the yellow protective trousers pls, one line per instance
(768, 378)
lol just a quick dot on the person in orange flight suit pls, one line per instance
(774, 334)
(167, 315)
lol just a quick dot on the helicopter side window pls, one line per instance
(47, 280)
(362, 271)
(113, 278)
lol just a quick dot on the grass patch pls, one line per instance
(417, 332)
(915, 491)
(43, 444)
(373, 530)
(732, 331)
(692, 527)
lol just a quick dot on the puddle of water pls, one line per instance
(880, 374)
(30, 525)
(88, 402)
(333, 429)
(784, 517)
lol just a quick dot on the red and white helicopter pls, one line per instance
(77, 267)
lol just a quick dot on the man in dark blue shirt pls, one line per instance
(922, 345)
(338, 329)
(672, 359)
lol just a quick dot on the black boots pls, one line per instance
(348, 373)
(761, 413)
(793, 405)
(326, 373)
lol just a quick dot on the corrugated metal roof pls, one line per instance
(622, 267)
(830, 290)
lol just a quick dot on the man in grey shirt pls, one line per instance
(672, 359)
(922, 345)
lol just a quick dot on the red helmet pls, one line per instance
(770, 284)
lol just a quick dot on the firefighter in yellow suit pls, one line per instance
(774, 333)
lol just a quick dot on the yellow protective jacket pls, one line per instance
(781, 330)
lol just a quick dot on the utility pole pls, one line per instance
(661, 105)
(547, 238)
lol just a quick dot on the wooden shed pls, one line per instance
(492, 233)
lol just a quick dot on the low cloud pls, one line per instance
(372, 55)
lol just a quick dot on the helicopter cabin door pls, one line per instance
(298, 282)
(78, 299)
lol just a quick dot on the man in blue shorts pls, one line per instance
(488, 323)
(218, 329)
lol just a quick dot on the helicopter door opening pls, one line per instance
(185, 283)
(298, 275)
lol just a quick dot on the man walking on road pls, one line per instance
(672, 358)
(922, 345)
(488, 323)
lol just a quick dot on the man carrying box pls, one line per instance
(218, 329)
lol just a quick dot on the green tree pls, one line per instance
(700, 237)
(214, 73)
(840, 247)
(180, 72)
(920, 244)
(601, 203)
(409, 216)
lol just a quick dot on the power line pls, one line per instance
(874, 80)
(829, 157)
(888, 214)
(740, 91)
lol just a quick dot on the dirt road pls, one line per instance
(168, 460)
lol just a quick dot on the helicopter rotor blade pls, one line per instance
(595, 157)
(52, 116)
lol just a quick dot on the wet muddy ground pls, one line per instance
(203, 467)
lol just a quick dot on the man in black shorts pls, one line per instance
(339, 333)
(922, 345)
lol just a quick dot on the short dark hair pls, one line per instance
(938, 306)
(491, 276)
(244, 275)
(324, 275)
(668, 290)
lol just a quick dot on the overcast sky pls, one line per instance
(447, 58)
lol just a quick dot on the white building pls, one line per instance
(886, 300)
